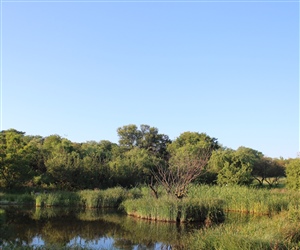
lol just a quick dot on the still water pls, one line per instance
(93, 229)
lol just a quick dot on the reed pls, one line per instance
(134, 193)
(8, 198)
(245, 199)
(294, 208)
(111, 197)
(61, 199)
(170, 209)
(150, 208)
(86, 198)
(261, 232)
(208, 203)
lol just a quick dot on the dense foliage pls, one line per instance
(141, 154)
(293, 174)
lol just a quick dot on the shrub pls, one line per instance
(293, 174)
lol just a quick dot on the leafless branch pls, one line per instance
(182, 171)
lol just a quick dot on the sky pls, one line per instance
(82, 69)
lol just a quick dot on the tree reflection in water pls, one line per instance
(92, 229)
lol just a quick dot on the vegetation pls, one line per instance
(189, 154)
(208, 203)
(14, 198)
(259, 233)
(192, 178)
(111, 197)
(247, 199)
(293, 174)
(204, 203)
(279, 230)
(102, 198)
(142, 156)
(173, 210)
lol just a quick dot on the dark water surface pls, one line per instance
(93, 229)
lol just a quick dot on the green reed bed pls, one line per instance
(170, 209)
(294, 209)
(111, 197)
(59, 198)
(258, 233)
(163, 209)
(245, 199)
(9, 198)
(86, 198)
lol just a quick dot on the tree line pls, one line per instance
(141, 156)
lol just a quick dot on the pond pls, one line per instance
(92, 229)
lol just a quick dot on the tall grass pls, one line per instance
(259, 233)
(9, 198)
(62, 199)
(111, 197)
(294, 209)
(246, 199)
(170, 209)
(163, 209)
(203, 202)
(86, 198)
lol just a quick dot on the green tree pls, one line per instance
(129, 136)
(63, 163)
(132, 167)
(234, 166)
(96, 158)
(236, 173)
(293, 174)
(146, 137)
(35, 156)
(15, 167)
(195, 139)
(268, 170)
(65, 170)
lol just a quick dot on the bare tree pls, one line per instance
(183, 168)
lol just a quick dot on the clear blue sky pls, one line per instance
(83, 69)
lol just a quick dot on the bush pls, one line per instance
(293, 174)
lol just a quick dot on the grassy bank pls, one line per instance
(139, 201)
(86, 198)
(280, 229)
(249, 200)
(14, 198)
(208, 203)
(258, 233)
(174, 210)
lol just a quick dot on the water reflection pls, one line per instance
(94, 229)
